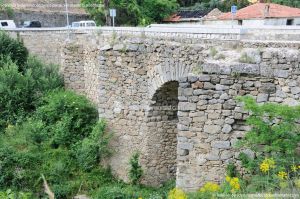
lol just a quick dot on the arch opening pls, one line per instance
(162, 143)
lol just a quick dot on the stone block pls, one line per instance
(188, 91)
(185, 145)
(221, 144)
(281, 73)
(226, 155)
(262, 97)
(187, 106)
(212, 129)
(224, 96)
(226, 128)
(229, 104)
(208, 85)
(250, 69)
(197, 85)
(267, 88)
(229, 120)
(192, 79)
(220, 87)
(295, 90)
(204, 78)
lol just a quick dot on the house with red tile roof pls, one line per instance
(262, 14)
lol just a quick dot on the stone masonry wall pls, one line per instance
(134, 80)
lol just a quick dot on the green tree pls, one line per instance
(292, 3)
(131, 12)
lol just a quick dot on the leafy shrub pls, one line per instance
(20, 93)
(274, 130)
(124, 191)
(46, 76)
(16, 94)
(136, 171)
(68, 117)
(13, 48)
(93, 148)
(9, 194)
(274, 136)
(26, 153)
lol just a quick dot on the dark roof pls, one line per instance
(186, 14)
(192, 14)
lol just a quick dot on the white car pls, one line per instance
(83, 24)
(6, 24)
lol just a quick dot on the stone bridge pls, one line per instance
(171, 95)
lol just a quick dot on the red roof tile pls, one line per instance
(259, 10)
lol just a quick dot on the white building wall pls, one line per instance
(220, 22)
(254, 22)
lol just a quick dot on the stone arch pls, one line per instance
(161, 150)
(165, 72)
(160, 156)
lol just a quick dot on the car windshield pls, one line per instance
(91, 24)
(26, 23)
(75, 24)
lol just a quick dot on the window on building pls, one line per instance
(289, 22)
(4, 24)
(240, 22)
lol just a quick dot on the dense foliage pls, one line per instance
(5, 9)
(45, 129)
(13, 48)
(137, 12)
(132, 12)
(275, 137)
(23, 80)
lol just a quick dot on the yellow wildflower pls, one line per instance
(271, 162)
(210, 187)
(267, 164)
(235, 185)
(177, 194)
(282, 175)
(140, 198)
(264, 167)
(294, 168)
(227, 179)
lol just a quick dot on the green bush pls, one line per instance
(68, 117)
(46, 76)
(13, 48)
(9, 194)
(16, 94)
(93, 148)
(124, 191)
(26, 153)
(21, 92)
(136, 171)
(274, 136)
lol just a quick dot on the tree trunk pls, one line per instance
(106, 10)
